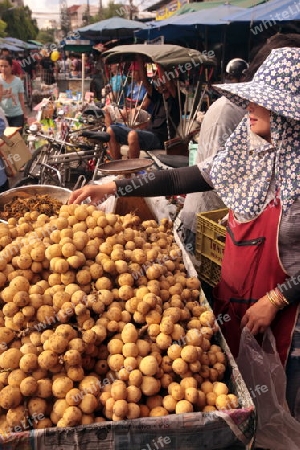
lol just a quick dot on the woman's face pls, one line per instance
(260, 120)
(5, 68)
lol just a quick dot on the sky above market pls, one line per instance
(52, 8)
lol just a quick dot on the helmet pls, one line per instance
(236, 67)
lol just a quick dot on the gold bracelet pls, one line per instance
(277, 300)
(281, 296)
(271, 299)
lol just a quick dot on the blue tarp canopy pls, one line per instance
(9, 46)
(19, 43)
(274, 10)
(214, 16)
(188, 25)
(113, 28)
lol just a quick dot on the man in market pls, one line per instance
(136, 91)
(29, 62)
(115, 88)
(136, 102)
(97, 83)
(165, 117)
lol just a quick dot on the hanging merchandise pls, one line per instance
(54, 55)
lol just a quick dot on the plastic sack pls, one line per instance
(265, 378)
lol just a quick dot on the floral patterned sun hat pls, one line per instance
(275, 86)
(245, 170)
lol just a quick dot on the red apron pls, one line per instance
(250, 268)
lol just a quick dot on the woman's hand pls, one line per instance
(97, 193)
(259, 316)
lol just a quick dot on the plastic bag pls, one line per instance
(265, 378)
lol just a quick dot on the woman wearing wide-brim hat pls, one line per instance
(257, 175)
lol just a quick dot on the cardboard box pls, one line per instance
(13, 151)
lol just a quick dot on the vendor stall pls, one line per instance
(73, 84)
(80, 387)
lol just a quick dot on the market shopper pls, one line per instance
(97, 83)
(47, 68)
(257, 176)
(75, 66)
(11, 94)
(29, 63)
(16, 66)
(116, 86)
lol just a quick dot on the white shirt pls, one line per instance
(219, 122)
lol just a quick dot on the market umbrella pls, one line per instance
(188, 24)
(10, 46)
(19, 43)
(37, 43)
(273, 11)
(113, 28)
(197, 6)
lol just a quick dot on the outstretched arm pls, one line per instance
(151, 184)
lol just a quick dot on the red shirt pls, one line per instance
(16, 68)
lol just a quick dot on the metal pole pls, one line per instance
(82, 77)
(130, 9)
(100, 10)
(88, 14)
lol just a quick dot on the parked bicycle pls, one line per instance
(60, 163)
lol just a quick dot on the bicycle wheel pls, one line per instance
(33, 166)
(51, 175)
(53, 170)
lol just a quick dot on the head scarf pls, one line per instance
(242, 173)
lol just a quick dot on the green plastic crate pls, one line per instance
(210, 244)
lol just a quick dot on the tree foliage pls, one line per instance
(65, 22)
(112, 9)
(45, 36)
(4, 6)
(20, 23)
(3, 26)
